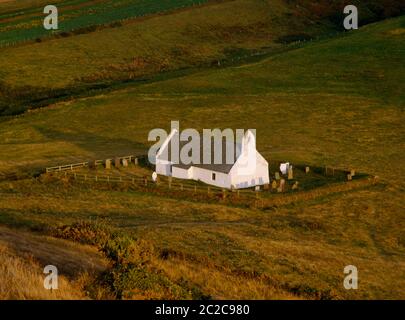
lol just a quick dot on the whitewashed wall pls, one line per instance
(222, 180)
(259, 176)
(182, 173)
(163, 167)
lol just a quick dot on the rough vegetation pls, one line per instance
(334, 100)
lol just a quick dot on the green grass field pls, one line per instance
(188, 38)
(78, 14)
(335, 102)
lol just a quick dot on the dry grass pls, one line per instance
(289, 251)
(70, 259)
(223, 283)
(22, 279)
(24, 255)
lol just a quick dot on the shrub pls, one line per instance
(84, 232)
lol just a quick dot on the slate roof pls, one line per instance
(222, 167)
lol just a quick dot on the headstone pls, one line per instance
(117, 162)
(282, 185)
(277, 175)
(306, 170)
(92, 165)
(108, 164)
(136, 161)
(125, 162)
(290, 173)
(295, 185)
(257, 188)
(154, 176)
(352, 172)
(274, 185)
(349, 177)
(284, 167)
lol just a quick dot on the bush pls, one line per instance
(133, 273)
(84, 232)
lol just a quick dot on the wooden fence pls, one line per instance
(250, 197)
(168, 184)
(72, 167)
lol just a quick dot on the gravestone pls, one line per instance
(274, 185)
(108, 164)
(136, 161)
(349, 177)
(295, 185)
(352, 172)
(124, 162)
(282, 185)
(117, 162)
(306, 170)
(92, 164)
(277, 175)
(257, 188)
(290, 173)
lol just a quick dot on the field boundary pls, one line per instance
(80, 165)
(260, 199)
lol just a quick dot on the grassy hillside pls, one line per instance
(16, 26)
(139, 48)
(336, 102)
(326, 95)
(106, 43)
(23, 257)
(228, 253)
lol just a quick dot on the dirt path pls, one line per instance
(71, 259)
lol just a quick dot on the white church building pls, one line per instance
(247, 169)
